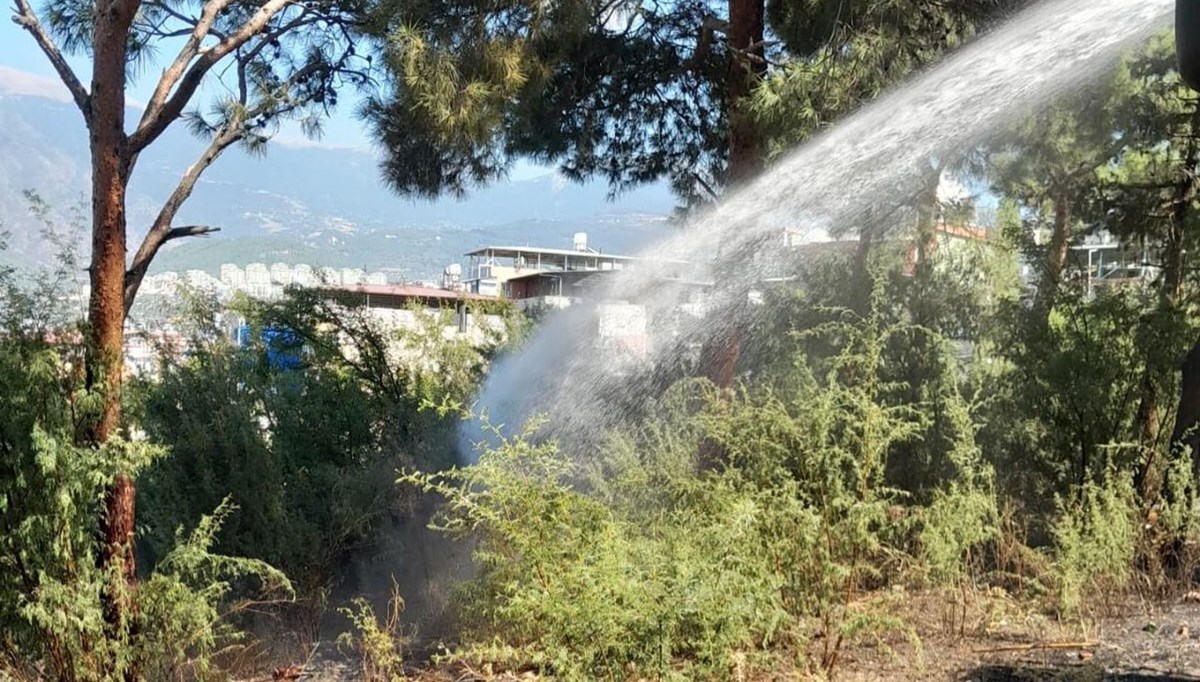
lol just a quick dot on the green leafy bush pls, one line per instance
(50, 496)
(570, 586)
(379, 643)
(963, 516)
(641, 563)
(307, 451)
(51, 490)
(1096, 541)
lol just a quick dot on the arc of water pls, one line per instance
(826, 187)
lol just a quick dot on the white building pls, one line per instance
(163, 284)
(201, 280)
(492, 266)
(303, 275)
(281, 274)
(258, 274)
(233, 276)
(352, 276)
(415, 308)
(331, 276)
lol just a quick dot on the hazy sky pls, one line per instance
(18, 51)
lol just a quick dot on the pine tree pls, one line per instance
(636, 92)
(284, 60)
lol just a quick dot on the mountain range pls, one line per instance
(300, 203)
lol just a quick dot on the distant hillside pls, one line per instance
(324, 206)
(416, 252)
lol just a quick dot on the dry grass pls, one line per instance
(952, 635)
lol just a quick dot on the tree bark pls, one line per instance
(1188, 413)
(106, 310)
(927, 216)
(1147, 480)
(1056, 258)
(1186, 431)
(1147, 416)
(720, 358)
(747, 65)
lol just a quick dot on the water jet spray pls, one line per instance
(850, 179)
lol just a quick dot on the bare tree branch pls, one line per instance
(188, 21)
(707, 187)
(137, 272)
(26, 19)
(164, 109)
(161, 231)
(245, 58)
(249, 121)
(172, 74)
(189, 231)
(704, 41)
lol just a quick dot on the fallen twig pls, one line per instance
(1039, 646)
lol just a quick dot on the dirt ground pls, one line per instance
(991, 638)
(975, 637)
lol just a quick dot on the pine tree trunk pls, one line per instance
(746, 67)
(1187, 418)
(1186, 432)
(1173, 266)
(1145, 481)
(1056, 258)
(919, 304)
(860, 297)
(927, 215)
(106, 310)
(1188, 413)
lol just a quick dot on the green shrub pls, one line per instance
(963, 516)
(306, 452)
(51, 496)
(1096, 540)
(378, 643)
(641, 563)
(959, 521)
(52, 614)
(583, 591)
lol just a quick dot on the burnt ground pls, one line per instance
(952, 637)
(994, 639)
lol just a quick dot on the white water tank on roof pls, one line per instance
(452, 276)
(581, 241)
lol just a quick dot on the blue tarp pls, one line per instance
(283, 346)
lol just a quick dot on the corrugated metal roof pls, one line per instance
(410, 291)
(514, 251)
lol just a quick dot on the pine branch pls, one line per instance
(229, 133)
(164, 108)
(172, 74)
(27, 19)
(161, 231)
